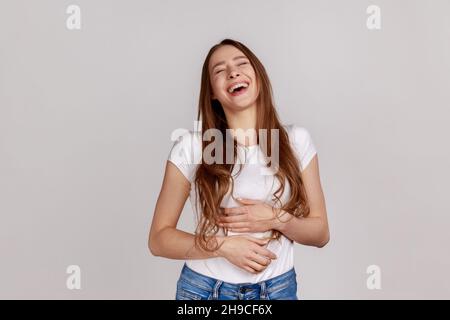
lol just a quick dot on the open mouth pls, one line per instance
(238, 88)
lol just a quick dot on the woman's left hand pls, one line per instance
(252, 216)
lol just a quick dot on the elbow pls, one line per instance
(157, 242)
(324, 239)
(153, 247)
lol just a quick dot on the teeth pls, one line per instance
(237, 85)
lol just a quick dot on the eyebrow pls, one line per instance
(222, 62)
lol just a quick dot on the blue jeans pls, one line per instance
(194, 286)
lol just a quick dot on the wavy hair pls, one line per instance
(214, 181)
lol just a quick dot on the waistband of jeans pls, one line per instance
(189, 275)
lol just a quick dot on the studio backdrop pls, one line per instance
(90, 92)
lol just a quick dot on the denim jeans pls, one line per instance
(192, 285)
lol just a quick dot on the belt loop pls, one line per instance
(216, 289)
(263, 291)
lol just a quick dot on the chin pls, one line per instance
(241, 105)
(238, 107)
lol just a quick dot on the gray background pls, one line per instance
(86, 117)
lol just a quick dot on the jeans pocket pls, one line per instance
(183, 294)
(287, 290)
(188, 291)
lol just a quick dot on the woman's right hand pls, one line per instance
(246, 252)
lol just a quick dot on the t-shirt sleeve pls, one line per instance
(303, 145)
(182, 155)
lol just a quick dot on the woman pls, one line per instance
(248, 215)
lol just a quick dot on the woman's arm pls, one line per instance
(165, 240)
(312, 230)
(257, 216)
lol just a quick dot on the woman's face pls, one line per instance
(233, 78)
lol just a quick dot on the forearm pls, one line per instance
(176, 244)
(311, 231)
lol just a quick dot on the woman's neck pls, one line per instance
(245, 120)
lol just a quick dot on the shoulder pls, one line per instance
(186, 151)
(302, 142)
(184, 138)
(298, 135)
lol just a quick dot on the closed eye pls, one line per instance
(239, 64)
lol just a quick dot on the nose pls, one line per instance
(233, 74)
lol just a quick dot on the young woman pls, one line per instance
(249, 215)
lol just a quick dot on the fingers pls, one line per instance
(255, 269)
(265, 252)
(234, 211)
(239, 230)
(236, 218)
(248, 201)
(256, 258)
(249, 269)
(262, 260)
(258, 262)
(235, 225)
(256, 266)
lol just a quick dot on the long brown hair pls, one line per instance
(213, 181)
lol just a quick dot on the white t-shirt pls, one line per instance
(250, 183)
